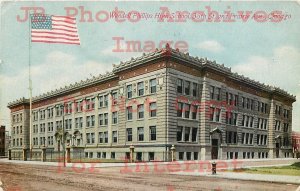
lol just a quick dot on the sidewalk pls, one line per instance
(242, 163)
(248, 176)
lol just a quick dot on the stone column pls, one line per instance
(204, 123)
(271, 131)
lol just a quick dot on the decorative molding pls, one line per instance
(201, 63)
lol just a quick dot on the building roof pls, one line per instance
(148, 57)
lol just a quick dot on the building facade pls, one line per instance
(2, 140)
(155, 101)
(296, 143)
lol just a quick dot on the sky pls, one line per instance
(265, 51)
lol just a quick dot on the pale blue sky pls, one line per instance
(268, 52)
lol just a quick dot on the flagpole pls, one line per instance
(30, 87)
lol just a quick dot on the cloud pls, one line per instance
(280, 69)
(211, 46)
(58, 70)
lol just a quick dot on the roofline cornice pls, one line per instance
(167, 52)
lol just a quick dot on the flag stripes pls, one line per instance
(54, 29)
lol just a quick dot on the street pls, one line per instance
(23, 177)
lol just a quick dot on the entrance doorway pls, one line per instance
(277, 150)
(214, 148)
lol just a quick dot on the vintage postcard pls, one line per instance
(150, 95)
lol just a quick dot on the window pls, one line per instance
(80, 122)
(211, 113)
(140, 133)
(129, 112)
(235, 116)
(88, 138)
(129, 91)
(248, 103)
(243, 102)
(152, 86)
(101, 119)
(139, 156)
(101, 137)
(187, 110)
(195, 89)
(93, 137)
(151, 156)
(140, 109)
(195, 155)
(90, 121)
(76, 123)
(218, 112)
(187, 87)
(106, 137)
(140, 88)
(236, 100)
(194, 112)
(231, 137)
(194, 134)
(114, 98)
(218, 93)
(180, 155)
(112, 155)
(100, 101)
(179, 109)
(187, 134)
(115, 136)
(179, 133)
(105, 118)
(153, 109)
(79, 106)
(152, 133)
(212, 92)
(115, 117)
(179, 85)
(129, 134)
(188, 155)
(105, 100)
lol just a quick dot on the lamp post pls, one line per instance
(173, 153)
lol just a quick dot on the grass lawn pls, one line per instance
(292, 170)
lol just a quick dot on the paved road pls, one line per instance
(23, 177)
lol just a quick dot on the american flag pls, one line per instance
(54, 29)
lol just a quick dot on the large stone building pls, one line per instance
(296, 142)
(2, 140)
(158, 100)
